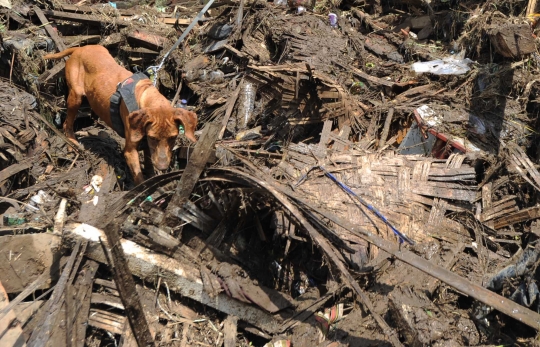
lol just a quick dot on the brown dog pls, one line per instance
(92, 72)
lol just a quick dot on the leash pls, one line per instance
(155, 69)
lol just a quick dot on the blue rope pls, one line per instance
(402, 237)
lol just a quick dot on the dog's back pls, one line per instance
(92, 72)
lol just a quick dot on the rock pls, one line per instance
(512, 40)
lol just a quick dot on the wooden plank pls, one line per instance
(52, 73)
(112, 41)
(199, 158)
(107, 321)
(230, 107)
(325, 134)
(499, 210)
(443, 191)
(343, 139)
(427, 201)
(532, 7)
(140, 52)
(126, 285)
(15, 169)
(509, 210)
(89, 9)
(365, 76)
(81, 40)
(437, 212)
(52, 33)
(522, 161)
(78, 305)
(83, 18)
(145, 39)
(11, 333)
(122, 21)
(520, 216)
(230, 329)
(41, 335)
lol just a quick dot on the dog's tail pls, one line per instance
(60, 55)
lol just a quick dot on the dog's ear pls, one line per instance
(138, 121)
(189, 120)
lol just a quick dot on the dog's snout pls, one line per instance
(162, 165)
(162, 160)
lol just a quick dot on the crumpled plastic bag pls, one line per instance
(447, 66)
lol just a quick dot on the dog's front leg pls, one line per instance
(132, 159)
(148, 165)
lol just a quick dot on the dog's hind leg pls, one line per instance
(74, 101)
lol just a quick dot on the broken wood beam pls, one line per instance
(11, 333)
(140, 52)
(190, 177)
(82, 40)
(89, 9)
(147, 40)
(52, 73)
(532, 7)
(15, 168)
(230, 329)
(365, 76)
(122, 21)
(230, 107)
(108, 321)
(41, 335)
(53, 34)
(77, 318)
(182, 277)
(116, 258)
(519, 216)
(386, 128)
(112, 41)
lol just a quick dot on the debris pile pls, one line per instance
(365, 174)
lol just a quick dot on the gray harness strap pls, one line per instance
(125, 90)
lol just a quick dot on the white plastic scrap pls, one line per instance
(96, 182)
(448, 66)
(5, 3)
(429, 115)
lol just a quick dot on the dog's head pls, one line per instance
(160, 126)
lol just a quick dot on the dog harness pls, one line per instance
(125, 90)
